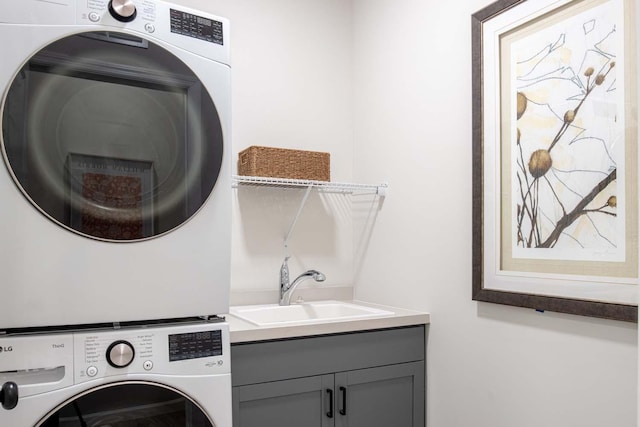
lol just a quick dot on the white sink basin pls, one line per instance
(308, 312)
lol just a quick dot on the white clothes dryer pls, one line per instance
(116, 195)
(157, 375)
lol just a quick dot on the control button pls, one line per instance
(147, 365)
(120, 354)
(149, 27)
(92, 371)
(94, 17)
(122, 10)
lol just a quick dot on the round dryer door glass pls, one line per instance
(111, 136)
(128, 405)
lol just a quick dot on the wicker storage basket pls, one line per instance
(284, 163)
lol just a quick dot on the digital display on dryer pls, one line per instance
(195, 345)
(196, 26)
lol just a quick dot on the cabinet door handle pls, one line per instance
(343, 391)
(330, 393)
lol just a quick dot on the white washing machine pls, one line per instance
(165, 375)
(116, 187)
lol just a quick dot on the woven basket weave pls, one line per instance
(284, 163)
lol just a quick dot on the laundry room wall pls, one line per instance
(384, 85)
(488, 365)
(291, 88)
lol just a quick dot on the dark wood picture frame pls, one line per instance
(481, 293)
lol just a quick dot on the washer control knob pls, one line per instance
(122, 10)
(120, 354)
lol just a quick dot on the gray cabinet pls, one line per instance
(371, 378)
(293, 402)
(384, 396)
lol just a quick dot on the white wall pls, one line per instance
(292, 71)
(488, 365)
(384, 85)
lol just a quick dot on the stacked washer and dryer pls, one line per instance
(116, 211)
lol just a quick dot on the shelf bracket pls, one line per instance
(381, 190)
(295, 220)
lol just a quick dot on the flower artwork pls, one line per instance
(567, 146)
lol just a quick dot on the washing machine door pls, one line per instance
(128, 404)
(111, 136)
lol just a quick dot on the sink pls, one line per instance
(304, 313)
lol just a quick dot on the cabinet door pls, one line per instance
(381, 397)
(300, 402)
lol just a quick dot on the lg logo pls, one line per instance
(3, 349)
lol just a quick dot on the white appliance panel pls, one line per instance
(50, 371)
(52, 276)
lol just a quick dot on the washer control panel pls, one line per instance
(195, 345)
(197, 349)
(39, 369)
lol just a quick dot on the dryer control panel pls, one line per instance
(190, 29)
(121, 11)
(193, 30)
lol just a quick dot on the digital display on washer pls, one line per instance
(194, 345)
(196, 26)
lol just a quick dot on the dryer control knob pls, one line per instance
(120, 354)
(122, 10)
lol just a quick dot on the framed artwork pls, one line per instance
(110, 198)
(555, 156)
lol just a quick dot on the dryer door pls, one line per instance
(111, 136)
(116, 199)
(128, 404)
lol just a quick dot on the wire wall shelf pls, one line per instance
(379, 190)
(320, 186)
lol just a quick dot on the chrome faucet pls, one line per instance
(286, 288)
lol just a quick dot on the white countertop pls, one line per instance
(243, 331)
